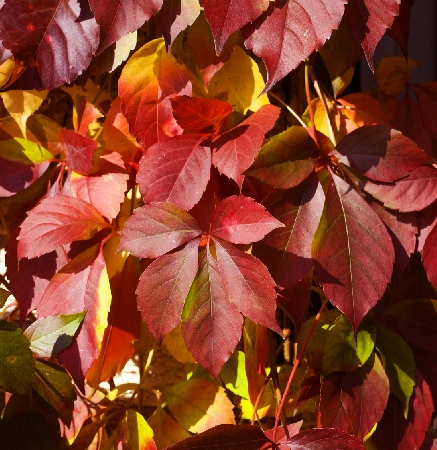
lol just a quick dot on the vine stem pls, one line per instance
(289, 108)
(296, 365)
(310, 106)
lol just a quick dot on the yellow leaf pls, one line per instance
(239, 82)
(175, 345)
(22, 104)
(198, 405)
(122, 49)
(6, 70)
(393, 72)
(91, 91)
(136, 432)
(166, 430)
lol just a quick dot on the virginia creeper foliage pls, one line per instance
(196, 186)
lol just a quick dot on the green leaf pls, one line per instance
(24, 151)
(341, 352)
(234, 375)
(49, 335)
(399, 365)
(53, 384)
(4, 295)
(16, 362)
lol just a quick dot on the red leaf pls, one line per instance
(353, 252)
(175, 171)
(235, 150)
(200, 115)
(331, 412)
(400, 29)
(311, 383)
(56, 221)
(211, 324)
(429, 257)
(78, 150)
(416, 320)
(124, 325)
(241, 220)
(105, 187)
(225, 437)
(364, 396)
(149, 78)
(248, 285)
(49, 38)
(163, 287)
(324, 439)
(30, 278)
(290, 31)
(82, 285)
(403, 233)
(119, 17)
(412, 193)
(175, 16)
(287, 251)
(427, 99)
(286, 160)
(368, 21)
(227, 16)
(156, 229)
(85, 113)
(426, 221)
(381, 153)
(284, 433)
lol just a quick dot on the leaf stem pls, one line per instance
(296, 365)
(310, 106)
(288, 107)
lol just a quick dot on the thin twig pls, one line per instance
(258, 399)
(289, 108)
(310, 106)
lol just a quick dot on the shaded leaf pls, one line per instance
(427, 99)
(78, 150)
(119, 17)
(16, 362)
(286, 160)
(149, 78)
(287, 251)
(156, 229)
(200, 115)
(400, 28)
(235, 150)
(399, 365)
(49, 335)
(364, 395)
(393, 72)
(289, 32)
(4, 295)
(211, 324)
(82, 284)
(241, 220)
(324, 439)
(226, 437)
(381, 153)
(56, 221)
(175, 171)
(163, 288)
(49, 39)
(353, 252)
(248, 284)
(53, 384)
(368, 21)
(198, 405)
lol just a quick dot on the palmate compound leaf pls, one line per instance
(16, 361)
(120, 17)
(286, 160)
(146, 83)
(82, 285)
(176, 171)
(353, 252)
(200, 115)
(381, 153)
(49, 335)
(56, 221)
(287, 251)
(235, 150)
(227, 16)
(412, 193)
(368, 21)
(47, 37)
(289, 31)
